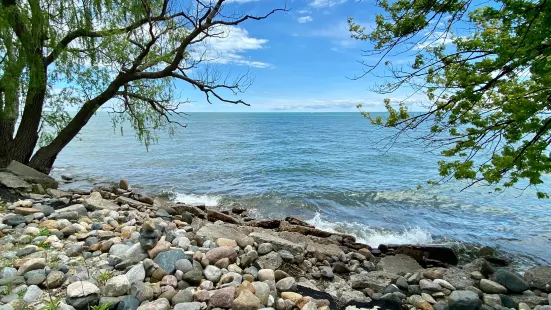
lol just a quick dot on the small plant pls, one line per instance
(43, 244)
(52, 304)
(3, 206)
(104, 276)
(101, 307)
(44, 232)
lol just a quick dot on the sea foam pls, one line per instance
(374, 237)
(207, 200)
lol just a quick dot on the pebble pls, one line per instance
(32, 294)
(286, 284)
(246, 301)
(491, 287)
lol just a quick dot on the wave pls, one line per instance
(207, 200)
(374, 237)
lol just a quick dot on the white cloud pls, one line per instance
(325, 3)
(305, 19)
(435, 39)
(227, 46)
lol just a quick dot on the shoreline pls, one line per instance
(114, 245)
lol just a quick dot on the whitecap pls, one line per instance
(371, 236)
(207, 200)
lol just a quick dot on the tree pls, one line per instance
(484, 70)
(123, 54)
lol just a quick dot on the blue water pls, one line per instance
(331, 169)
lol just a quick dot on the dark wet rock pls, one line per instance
(167, 260)
(463, 300)
(339, 267)
(512, 281)
(83, 303)
(218, 216)
(427, 253)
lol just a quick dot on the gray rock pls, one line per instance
(248, 258)
(159, 304)
(295, 248)
(265, 248)
(399, 264)
(32, 264)
(212, 273)
(266, 274)
(463, 300)
(327, 272)
(83, 303)
(376, 280)
(429, 285)
(136, 273)
(32, 294)
(14, 220)
(167, 260)
(117, 286)
(271, 260)
(81, 289)
(118, 249)
(183, 265)
(188, 306)
(402, 283)
(262, 292)
(492, 300)
(539, 277)
(195, 275)
(128, 303)
(348, 296)
(7, 272)
(35, 277)
(185, 295)
(75, 249)
(286, 284)
(12, 181)
(491, 287)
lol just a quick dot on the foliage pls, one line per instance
(43, 244)
(54, 304)
(104, 276)
(44, 232)
(101, 307)
(483, 71)
(126, 56)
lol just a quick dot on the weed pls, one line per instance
(104, 276)
(101, 307)
(52, 304)
(44, 232)
(43, 244)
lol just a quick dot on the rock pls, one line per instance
(212, 273)
(123, 184)
(223, 298)
(248, 258)
(327, 272)
(218, 216)
(128, 303)
(54, 279)
(188, 306)
(271, 260)
(278, 243)
(246, 301)
(512, 281)
(32, 264)
(117, 286)
(35, 277)
(226, 242)
(265, 248)
(539, 277)
(445, 284)
(432, 274)
(169, 280)
(183, 265)
(492, 300)
(419, 302)
(265, 274)
(32, 294)
(148, 239)
(14, 220)
(143, 291)
(30, 175)
(491, 287)
(432, 253)
(398, 264)
(75, 249)
(82, 289)
(159, 304)
(262, 292)
(167, 260)
(463, 300)
(215, 254)
(131, 202)
(339, 267)
(136, 273)
(376, 280)
(12, 181)
(486, 269)
(25, 211)
(286, 284)
(83, 303)
(185, 295)
(459, 278)
(161, 246)
(195, 275)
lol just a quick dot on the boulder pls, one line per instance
(398, 264)
(271, 260)
(117, 286)
(427, 254)
(31, 175)
(96, 202)
(215, 254)
(491, 287)
(11, 181)
(218, 216)
(167, 260)
(539, 277)
(131, 202)
(278, 243)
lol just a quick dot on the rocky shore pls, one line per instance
(113, 248)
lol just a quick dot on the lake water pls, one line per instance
(327, 168)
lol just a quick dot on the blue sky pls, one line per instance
(301, 60)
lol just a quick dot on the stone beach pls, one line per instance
(114, 248)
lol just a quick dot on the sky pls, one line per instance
(302, 60)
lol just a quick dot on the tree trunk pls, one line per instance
(6, 141)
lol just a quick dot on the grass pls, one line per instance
(52, 304)
(103, 277)
(101, 307)
(3, 206)
(44, 232)
(43, 244)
